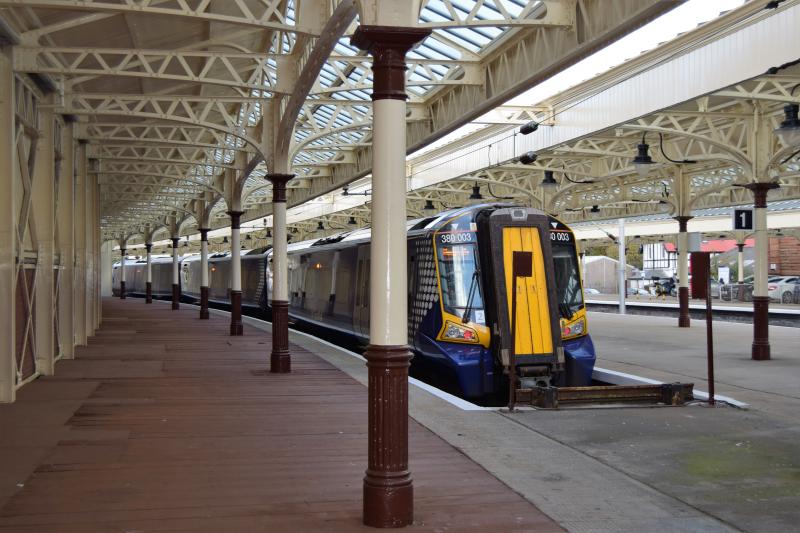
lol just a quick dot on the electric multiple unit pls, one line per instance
(460, 290)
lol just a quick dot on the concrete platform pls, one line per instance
(165, 423)
(740, 467)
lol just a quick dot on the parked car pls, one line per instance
(589, 290)
(633, 291)
(744, 292)
(782, 289)
(737, 292)
(715, 288)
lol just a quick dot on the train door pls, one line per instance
(361, 307)
(537, 340)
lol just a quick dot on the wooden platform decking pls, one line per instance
(165, 423)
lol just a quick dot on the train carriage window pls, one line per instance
(460, 280)
(568, 284)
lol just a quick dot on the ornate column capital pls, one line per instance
(760, 191)
(235, 218)
(682, 222)
(388, 46)
(279, 182)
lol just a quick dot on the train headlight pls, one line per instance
(457, 332)
(574, 329)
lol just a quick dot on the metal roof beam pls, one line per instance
(229, 69)
(268, 15)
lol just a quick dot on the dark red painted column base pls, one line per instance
(280, 361)
(761, 351)
(148, 293)
(388, 488)
(204, 303)
(237, 328)
(122, 290)
(176, 296)
(683, 303)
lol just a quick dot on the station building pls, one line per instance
(163, 162)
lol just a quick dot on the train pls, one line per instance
(459, 296)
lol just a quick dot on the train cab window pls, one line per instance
(460, 280)
(568, 284)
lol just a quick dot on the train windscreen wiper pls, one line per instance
(473, 286)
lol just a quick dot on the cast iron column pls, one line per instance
(279, 360)
(148, 287)
(683, 272)
(236, 275)
(622, 267)
(122, 274)
(761, 350)
(203, 273)
(740, 263)
(176, 280)
(388, 489)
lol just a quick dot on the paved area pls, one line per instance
(741, 467)
(657, 348)
(682, 469)
(581, 492)
(165, 423)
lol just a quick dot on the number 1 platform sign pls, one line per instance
(743, 219)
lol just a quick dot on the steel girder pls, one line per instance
(263, 14)
(188, 122)
(714, 140)
(526, 58)
(238, 70)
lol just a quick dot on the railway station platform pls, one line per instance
(166, 423)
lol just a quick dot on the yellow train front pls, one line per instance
(460, 302)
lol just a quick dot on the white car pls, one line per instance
(634, 291)
(589, 290)
(782, 289)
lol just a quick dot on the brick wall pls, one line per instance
(784, 254)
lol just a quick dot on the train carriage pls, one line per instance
(253, 278)
(136, 276)
(459, 295)
(459, 303)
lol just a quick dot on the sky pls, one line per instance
(665, 28)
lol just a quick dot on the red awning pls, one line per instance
(717, 246)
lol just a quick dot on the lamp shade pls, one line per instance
(528, 158)
(530, 127)
(642, 162)
(789, 130)
(476, 195)
(549, 182)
